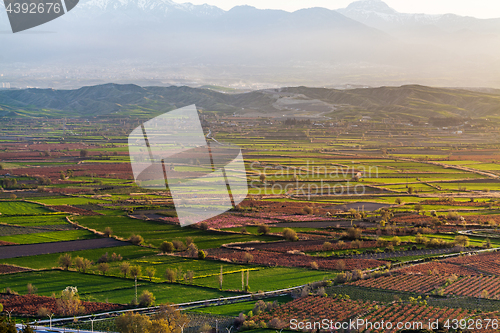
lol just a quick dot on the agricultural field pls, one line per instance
(340, 222)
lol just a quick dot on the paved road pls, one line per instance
(14, 251)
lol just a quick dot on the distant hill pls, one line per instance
(408, 102)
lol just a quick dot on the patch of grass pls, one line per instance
(68, 201)
(34, 220)
(48, 237)
(21, 208)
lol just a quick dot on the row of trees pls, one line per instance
(167, 320)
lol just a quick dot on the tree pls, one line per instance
(201, 254)
(418, 207)
(247, 257)
(327, 246)
(125, 268)
(82, 264)
(289, 234)
(167, 247)
(354, 233)
(133, 323)
(69, 303)
(84, 153)
(136, 239)
(65, 261)
(193, 250)
(135, 271)
(171, 275)
(190, 276)
(263, 229)
(108, 232)
(399, 201)
(171, 316)
(462, 241)
(146, 299)
(262, 177)
(103, 267)
(396, 240)
(31, 289)
(150, 272)
(1, 307)
(179, 246)
(7, 325)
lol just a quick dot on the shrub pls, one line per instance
(65, 261)
(193, 250)
(247, 257)
(103, 267)
(327, 246)
(179, 246)
(84, 153)
(125, 268)
(135, 271)
(396, 240)
(308, 210)
(340, 265)
(103, 258)
(205, 328)
(69, 303)
(108, 232)
(136, 239)
(354, 233)
(171, 275)
(263, 229)
(290, 234)
(462, 241)
(150, 273)
(132, 322)
(314, 265)
(31, 289)
(167, 247)
(204, 226)
(43, 312)
(201, 254)
(146, 298)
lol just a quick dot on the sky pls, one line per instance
(475, 8)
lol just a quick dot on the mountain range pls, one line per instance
(412, 102)
(367, 43)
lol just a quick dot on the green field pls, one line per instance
(21, 208)
(104, 288)
(47, 261)
(156, 232)
(47, 237)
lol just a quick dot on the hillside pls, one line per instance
(409, 102)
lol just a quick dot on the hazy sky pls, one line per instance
(476, 8)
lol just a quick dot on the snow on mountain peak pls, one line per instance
(371, 6)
